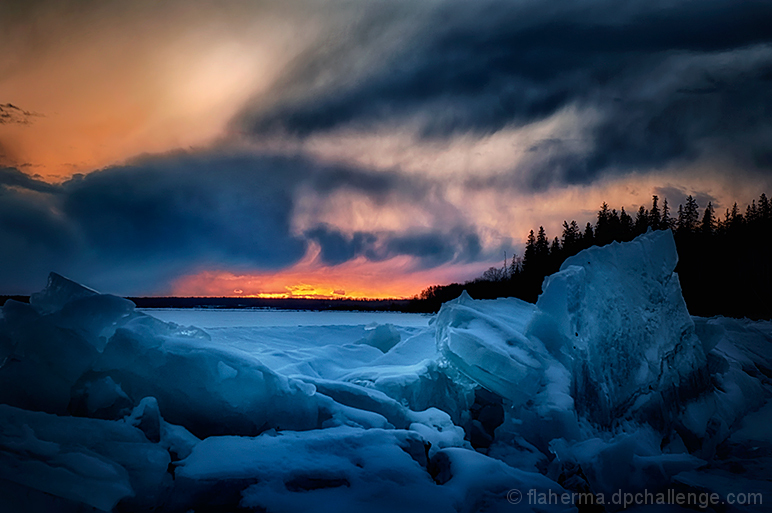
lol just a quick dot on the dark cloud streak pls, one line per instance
(431, 246)
(665, 80)
(11, 177)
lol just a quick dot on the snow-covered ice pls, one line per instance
(605, 385)
(616, 318)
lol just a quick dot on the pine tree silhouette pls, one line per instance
(765, 213)
(529, 256)
(655, 219)
(735, 218)
(667, 221)
(626, 223)
(588, 238)
(708, 220)
(691, 214)
(571, 236)
(542, 245)
(641, 221)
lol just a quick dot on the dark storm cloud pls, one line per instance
(436, 248)
(432, 247)
(135, 228)
(666, 80)
(189, 208)
(150, 222)
(377, 186)
(337, 247)
(11, 177)
(33, 238)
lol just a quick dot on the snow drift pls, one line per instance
(606, 383)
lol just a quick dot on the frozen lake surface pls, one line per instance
(230, 318)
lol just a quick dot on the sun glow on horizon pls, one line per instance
(395, 278)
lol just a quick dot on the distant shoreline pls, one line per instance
(235, 303)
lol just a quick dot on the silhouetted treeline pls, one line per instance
(725, 262)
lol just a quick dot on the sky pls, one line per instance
(352, 148)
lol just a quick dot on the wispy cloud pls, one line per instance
(10, 114)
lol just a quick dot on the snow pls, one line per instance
(606, 384)
(265, 318)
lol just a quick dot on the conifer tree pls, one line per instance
(641, 220)
(691, 214)
(625, 223)
(515, 266)
(735, 217)
(602, 226)
(614, 226)
(667, 221)
(720, 226)
(708, 220)
(571, 236)
(588, 239)
(726, 222)
(529, 256)
(655, 219)
(751, 212)
(555, 247)
(765, 213)
(542, 244)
